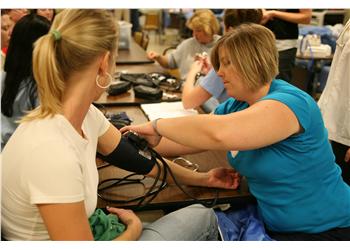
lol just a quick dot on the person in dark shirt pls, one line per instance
(284, 24)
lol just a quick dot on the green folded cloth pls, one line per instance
(105, 227)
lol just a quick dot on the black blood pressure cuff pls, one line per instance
(129, 157)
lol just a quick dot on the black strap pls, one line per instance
(153, 191)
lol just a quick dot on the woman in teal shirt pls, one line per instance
(275, 137)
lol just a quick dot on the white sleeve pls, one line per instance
(101, 122)
(53, 174)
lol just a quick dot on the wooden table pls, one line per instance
(128, 98)
(134, 55)
(171, 197)
(307, 57)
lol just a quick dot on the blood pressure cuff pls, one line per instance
(148, 93)
(119, 88)
(127, 156)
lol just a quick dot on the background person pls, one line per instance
(19, 91)
(6, 30)
(17, 14)
(205, 28)
(284, 24)
(335, 103)
(211, 85)
(275, 137)
(48, 13)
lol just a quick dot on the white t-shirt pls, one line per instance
(47, 161)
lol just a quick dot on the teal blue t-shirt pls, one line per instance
(297, 184)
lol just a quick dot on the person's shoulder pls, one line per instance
(286, 92)
(185, 46)
(43, 130)
(281, 86)
(93, 110)
(94, 114)
(229, 106)
(188, 41)
(298, 101)
(40, 137)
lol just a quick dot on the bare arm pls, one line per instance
(162, 60)
(264, 123)
(66, 221)
(220, 178)
(303, 17)
(109, 140)
(193, 96)
(168, 148)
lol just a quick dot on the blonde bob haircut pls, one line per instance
(205, 20)
(75, 40)
(252, 51)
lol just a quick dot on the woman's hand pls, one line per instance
(146, 131)
(153, 55)
(206, 66)
(222, 177)
(196, 67)
(130, 219)
(205, 63)
(267, 16)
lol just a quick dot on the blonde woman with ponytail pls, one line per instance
(50, 179)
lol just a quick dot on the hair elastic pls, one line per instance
(56, 34)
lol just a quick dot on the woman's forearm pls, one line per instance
(303, 17)
(200, 131)
(186, 176)
(183, 175)
(187, 90)
(163, 61)
(169, 148)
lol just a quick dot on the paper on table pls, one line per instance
(166, 110)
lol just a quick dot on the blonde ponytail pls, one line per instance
(75, 39)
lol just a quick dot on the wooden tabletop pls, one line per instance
(134, 55)
(170, 196)
(129, 98)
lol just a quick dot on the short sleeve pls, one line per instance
(212, 83)
(171, 61)
(176, 56)
(297, 102)
(224, 108)
(100, 121)
(220, 110)
(231, 105)
(52, 180)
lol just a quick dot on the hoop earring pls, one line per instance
(109, 84)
